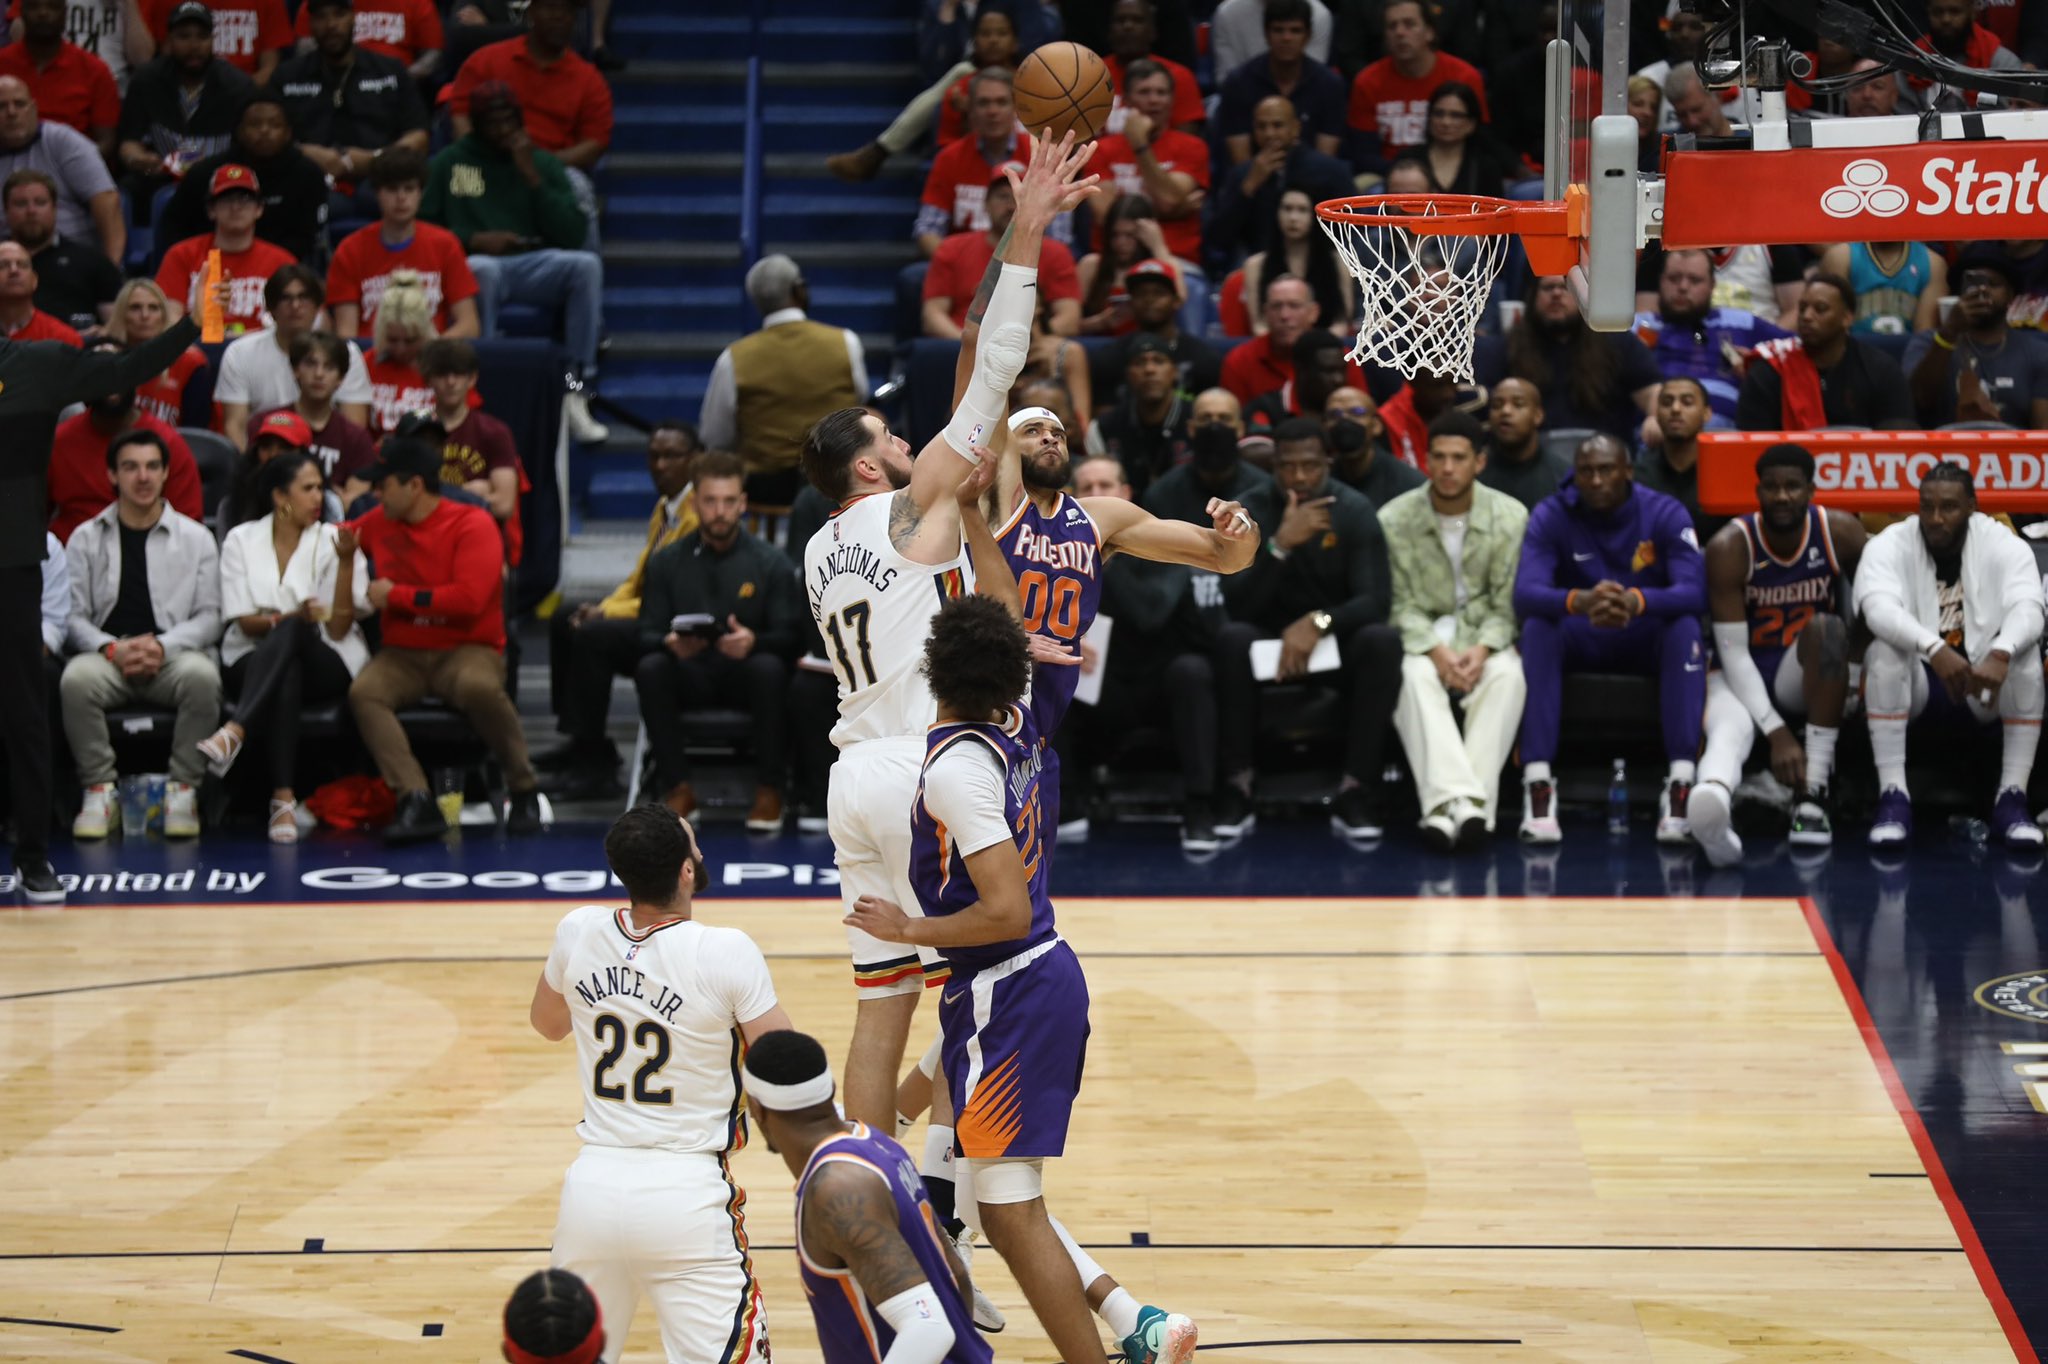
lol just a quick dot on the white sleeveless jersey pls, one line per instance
(655, 1014)
(874, 609)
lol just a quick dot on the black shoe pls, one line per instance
(574, 753)
(38, 883)
(1351, 815)
(418, 819)
(1198, 826)
(522, 813)
(585, 783)
(1234, 815)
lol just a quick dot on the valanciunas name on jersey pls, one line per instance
(625, 983)
(856, 559)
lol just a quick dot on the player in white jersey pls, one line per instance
(660, 1007)
(875, 575)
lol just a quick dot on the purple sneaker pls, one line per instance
(1894, 822)
(2012, 824)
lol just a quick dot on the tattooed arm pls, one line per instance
(849, 1218)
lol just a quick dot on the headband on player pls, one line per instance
(1030, 414)
(789, 1098)
(585, 1351)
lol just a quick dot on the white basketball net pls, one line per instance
(1420, 296)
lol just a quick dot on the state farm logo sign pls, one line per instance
(1947, 191)
(1866, 188)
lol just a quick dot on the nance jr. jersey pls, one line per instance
(656, 1014)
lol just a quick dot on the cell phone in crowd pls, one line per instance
(697, 623)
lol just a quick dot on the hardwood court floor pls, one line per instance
(1381, 1130)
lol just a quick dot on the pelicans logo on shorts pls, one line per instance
(951, 583)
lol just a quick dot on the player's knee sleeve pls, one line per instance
(2022, 696)
(1887, 679)
(1009, 1180)
(999, 354)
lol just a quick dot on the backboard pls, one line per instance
(1593, 143)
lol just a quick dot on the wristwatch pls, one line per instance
(1321, 620)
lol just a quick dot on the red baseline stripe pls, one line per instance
(1937, 1173)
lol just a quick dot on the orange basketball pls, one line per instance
(1062, 86)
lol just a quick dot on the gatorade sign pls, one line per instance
(1880, 471)
(1929, 191)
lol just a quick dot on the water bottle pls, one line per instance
(1617, 799)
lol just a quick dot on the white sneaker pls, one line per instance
(181, 810)
(584, 428)
(1539, 813)
(1713, 827)
(1672, 826)
(987, 1316)
(95, 813)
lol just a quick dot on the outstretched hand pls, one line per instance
(1048, 186)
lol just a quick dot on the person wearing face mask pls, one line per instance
(1351, 432)
(78, 487)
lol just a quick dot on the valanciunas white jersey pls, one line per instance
(874, 608)
(655, 1014)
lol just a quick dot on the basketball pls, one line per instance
(1061, 86)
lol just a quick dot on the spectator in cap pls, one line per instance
(235, 203)
(768, 389)
(277, 433)
(78, 483)
(349, 103)
(181, 395)
(1155, 294)
(88, 205)
(440, 588)
(75, 283)
(249, 35)
(70, 85)
(511, 206)
(1147, 430)
(181, 107)
(962, 258)
(1974, 367)
(293, 189)
(1129, 233)
(292, 590)
(567, 102)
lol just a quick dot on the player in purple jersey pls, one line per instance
(1014, 1015)
(1778, 589)
(882, 1282)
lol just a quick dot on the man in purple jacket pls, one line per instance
(1611, 580)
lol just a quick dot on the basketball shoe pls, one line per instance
(1162, 1337)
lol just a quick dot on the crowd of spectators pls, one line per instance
(372, 205)
(1215, 316)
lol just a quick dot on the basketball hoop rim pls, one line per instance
(1553, 231)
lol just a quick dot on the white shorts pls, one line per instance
(867, 809)
(671, 1227)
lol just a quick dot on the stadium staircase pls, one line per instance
(724, 118)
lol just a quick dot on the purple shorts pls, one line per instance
(1016, 1038)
